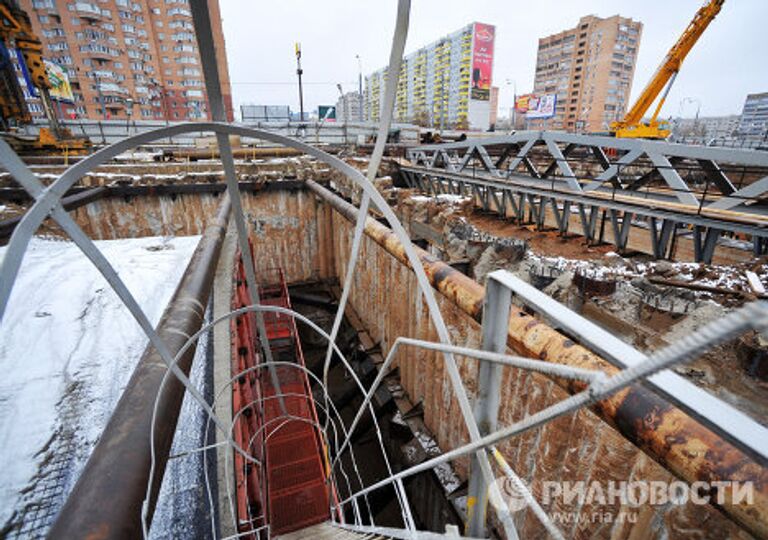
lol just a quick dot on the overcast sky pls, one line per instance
(726, 64)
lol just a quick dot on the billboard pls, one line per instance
(265, 113)
(523, 102)
(327, 113)
(482, 61)
(60, 87)
(542, 106)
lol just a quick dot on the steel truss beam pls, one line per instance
(527, 204)
(644, 162)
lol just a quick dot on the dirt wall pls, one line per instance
(282, 224)
(578, 447)
(310, 240)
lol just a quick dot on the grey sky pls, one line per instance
(727, 63)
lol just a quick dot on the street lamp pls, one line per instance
(346, 112)
(128, 112)
(698, 110)
(299, 72)
(95, 75)
(514, 101)
(360, 84)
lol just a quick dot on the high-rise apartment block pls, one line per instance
(348, 107)
(136, 58)
(590, 69)
(754, 118)
(446, 84)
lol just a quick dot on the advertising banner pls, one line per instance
(542, 106)
(482, 61)
(327, 113)
(523, 102)
(60, 87)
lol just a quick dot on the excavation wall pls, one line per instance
(578, 447)
(310, 239)
(283, 225)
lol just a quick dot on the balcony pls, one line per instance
(112, 89)
(87, 11)
(97, 55)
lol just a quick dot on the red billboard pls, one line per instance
(482, 61)
(523, 102)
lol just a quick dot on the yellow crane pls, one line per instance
(16, 32)
(632, 125)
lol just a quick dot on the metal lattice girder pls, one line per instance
(611, 173)
(661, 235)
(743, 196)
(518, 191)
(653, 163)
(562, 164)
(621, 228)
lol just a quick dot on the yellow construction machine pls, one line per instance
(16, 33)
(632, 125)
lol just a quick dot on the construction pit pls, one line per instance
(172, 221)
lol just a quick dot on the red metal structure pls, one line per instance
(290, 489)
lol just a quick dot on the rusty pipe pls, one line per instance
(464, 292)
(194, 154)
(107, 498)
(671, 437)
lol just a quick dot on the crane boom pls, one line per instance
(16, 33)
(662, 80)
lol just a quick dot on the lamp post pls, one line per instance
(514, 102)
(345, 112)
(698, 110)
(299, 72)
(98, 91)
(360, 84)
(129, 103)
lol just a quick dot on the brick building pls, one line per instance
(590, 69)
(134, 58)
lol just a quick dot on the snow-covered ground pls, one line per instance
(67, 349)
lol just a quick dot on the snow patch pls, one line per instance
(67, 349)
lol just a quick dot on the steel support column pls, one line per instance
(498, 301)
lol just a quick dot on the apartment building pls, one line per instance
(753, 125)
(446, 84)
(706, 129)
(590, 69)
(348, 107)
(127, 58)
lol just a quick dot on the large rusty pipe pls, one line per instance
(194, 154)
(107, 498)
(670, 436)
